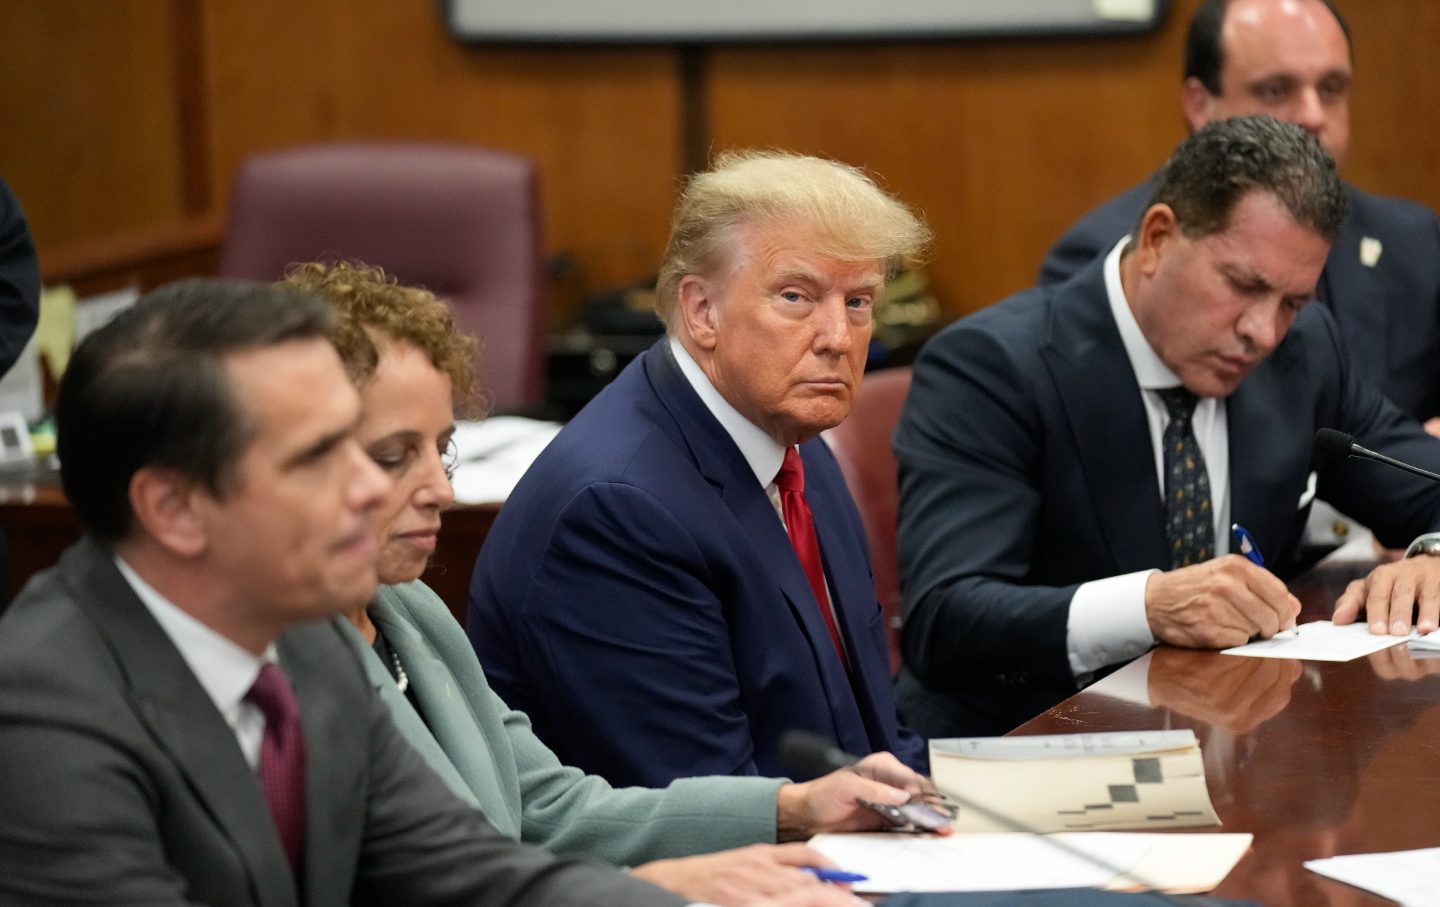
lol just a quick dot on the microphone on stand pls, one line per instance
(1338, 444)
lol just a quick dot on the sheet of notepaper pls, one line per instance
(1321, 641)
(1411, 877)
(1181, 863)
(981, 862)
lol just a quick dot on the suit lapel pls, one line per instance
(416, 660)
(719, 460)
(1268, 468)
(334, 770)
(183, 719)
(1088, 363)
(853, 591)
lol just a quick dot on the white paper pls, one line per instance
(1411, 877)
(495, 453)
(1003, 862)
(1320, 641)
(983, 862)
(1430, 642)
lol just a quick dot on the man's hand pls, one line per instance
(1390, 596)
(831, 803)
(746, 876)
(1221, 603)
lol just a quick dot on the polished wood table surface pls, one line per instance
(1314, 758)
(39, 524)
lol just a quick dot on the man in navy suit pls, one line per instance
(1382, 278)
(641, 596)
(1051, 523)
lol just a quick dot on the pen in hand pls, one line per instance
(1245, 544)
(834, 875)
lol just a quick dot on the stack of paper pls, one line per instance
(1074, 782)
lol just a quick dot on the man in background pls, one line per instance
(682, 577)
(1291, 59)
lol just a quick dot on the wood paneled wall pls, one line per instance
(132, 115)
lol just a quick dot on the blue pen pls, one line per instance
(834, 875)
(1246, 543)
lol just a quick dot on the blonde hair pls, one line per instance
(368, 303)
(841, 212)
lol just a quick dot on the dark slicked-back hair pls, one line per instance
(150, 390)
(1204, 53)
(1215, 168)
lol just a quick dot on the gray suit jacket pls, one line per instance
(122, 783)
(488, 754)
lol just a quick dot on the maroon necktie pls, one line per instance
(800, 523)
(282, 759)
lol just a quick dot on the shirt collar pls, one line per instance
(760, 451)
(1150, 371)
(224, 669)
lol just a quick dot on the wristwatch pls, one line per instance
(1429, 543)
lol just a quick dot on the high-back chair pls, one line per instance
(460, 221)
(862, 446)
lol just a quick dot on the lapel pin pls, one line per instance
(1370, 250)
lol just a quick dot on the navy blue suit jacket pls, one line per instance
(638, 598)
(1388, 312)
(1027, 468)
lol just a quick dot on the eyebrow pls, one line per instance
(321, 446)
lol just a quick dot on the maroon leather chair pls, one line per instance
(862, 446)
(462, 222)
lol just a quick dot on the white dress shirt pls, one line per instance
(225, 670)
(1107, 622)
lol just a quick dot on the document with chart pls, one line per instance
(1144, 780)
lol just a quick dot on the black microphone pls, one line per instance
(811, 755)
(1338, 444)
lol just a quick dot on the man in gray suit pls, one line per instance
(207, 441)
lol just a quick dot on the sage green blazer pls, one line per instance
(487, 753)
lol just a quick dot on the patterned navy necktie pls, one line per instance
(1189, 519)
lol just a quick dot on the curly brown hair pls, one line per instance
(370, 304)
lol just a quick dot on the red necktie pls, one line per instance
(800, 523)
(282, 759)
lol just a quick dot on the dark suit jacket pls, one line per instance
(638, 598)
(123, 784)
(19, 280)
(1026, 469)
(1389, 313)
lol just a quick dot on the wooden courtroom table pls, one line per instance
(39, 525)
(1314, 758)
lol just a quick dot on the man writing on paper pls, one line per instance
(682, 577)
(1071, 459)
(1291, 59)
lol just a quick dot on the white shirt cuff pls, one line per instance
(1107, 623)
